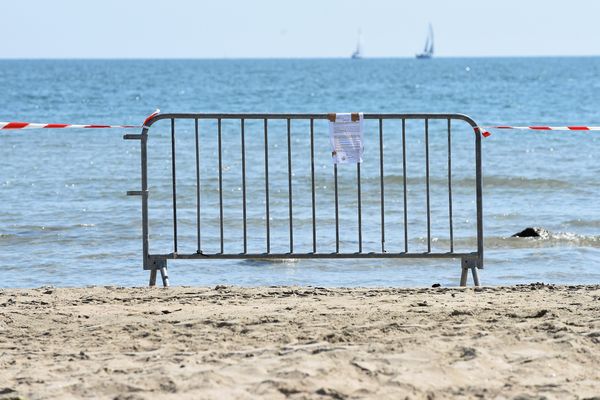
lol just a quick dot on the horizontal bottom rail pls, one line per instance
(292, 256)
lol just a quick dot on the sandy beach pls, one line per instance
(522, 342)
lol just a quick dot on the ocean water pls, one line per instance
(65, 219)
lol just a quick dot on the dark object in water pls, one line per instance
(533, 232)
(436, 285)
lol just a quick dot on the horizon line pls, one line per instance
(241, 58)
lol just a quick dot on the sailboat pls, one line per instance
(428, 49)
(357, 55)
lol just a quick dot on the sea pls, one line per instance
(65, 218)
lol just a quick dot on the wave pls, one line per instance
(584, 223)
(489, 181)
(233, 183)
(30, 231)
(553, 239)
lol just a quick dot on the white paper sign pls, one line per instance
(346, 138)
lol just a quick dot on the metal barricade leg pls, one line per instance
(152, 278)
(463, 276)
(475, 276)
(155, 266)
(466, 265)
(164, 275)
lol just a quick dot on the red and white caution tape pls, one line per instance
(30, 125)
(155, 113)
(547, 128)
(486, 133)
(484, 129)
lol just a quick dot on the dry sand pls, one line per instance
(523, 342)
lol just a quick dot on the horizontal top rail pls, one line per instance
(161, 116)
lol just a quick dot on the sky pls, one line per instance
(284, 29)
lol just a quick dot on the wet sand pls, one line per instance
(521, 342)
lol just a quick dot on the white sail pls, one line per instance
(428, 48)
(358, 53)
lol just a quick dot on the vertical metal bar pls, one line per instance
(479, 189)
(337, 219)
(359, 208)
(199, 250)
(450, 184)
(405, 189)
(312, 181)
(427, 184)
(174, 181)
(220, 185)
(244, 186)
(267, 186)
(145, 228)
(290, 200)
(381, 185)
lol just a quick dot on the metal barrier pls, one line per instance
(157, 262)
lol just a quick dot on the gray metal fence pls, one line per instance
(376, 190)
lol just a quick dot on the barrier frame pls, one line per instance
(158, 262)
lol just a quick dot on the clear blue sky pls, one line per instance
(307, 28)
